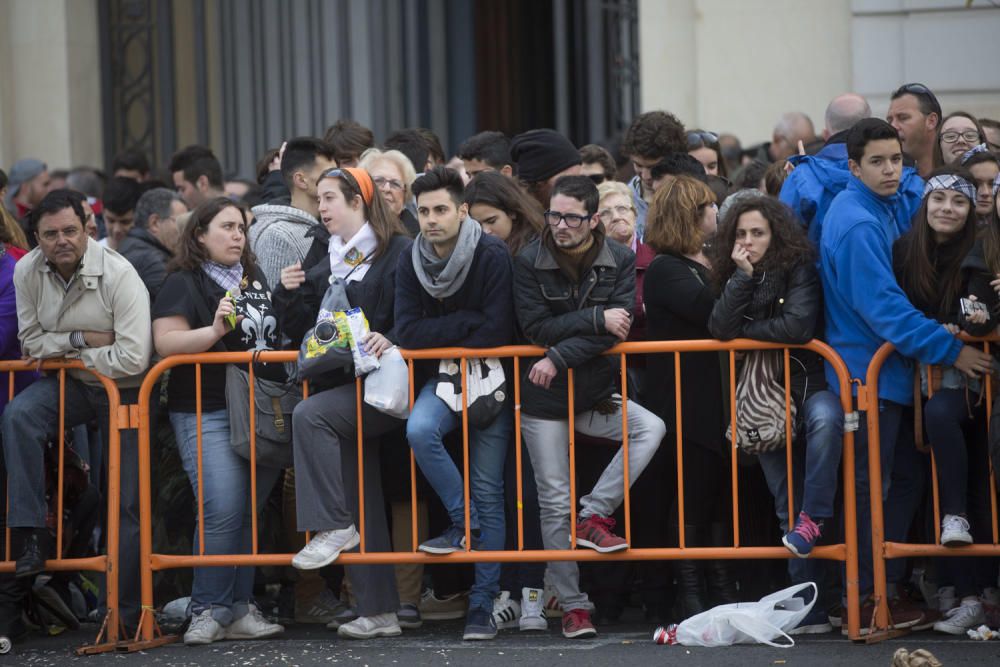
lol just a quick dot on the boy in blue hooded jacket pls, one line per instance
(865, 307)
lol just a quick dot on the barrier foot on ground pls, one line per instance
(101, 643)
(875, 636)
(138, 644)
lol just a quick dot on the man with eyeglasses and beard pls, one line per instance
(915, 113)
(573, 289)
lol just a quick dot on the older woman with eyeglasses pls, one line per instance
(618, 215)
(393, 174)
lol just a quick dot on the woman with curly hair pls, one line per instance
(764, 266)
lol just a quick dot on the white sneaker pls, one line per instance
(368, 627)
(955, 531)
(532, 610)
(967, 615)
(253, 626)
(506, 612)
(204, 630)
(946, 599)
(324, 548)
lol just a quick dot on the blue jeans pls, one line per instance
(226, 475)
(814, 474)
(429, 422)
(890, 419)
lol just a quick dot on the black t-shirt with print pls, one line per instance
(195, 297)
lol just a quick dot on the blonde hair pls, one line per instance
(608, 188)
(373, 155)
(673, 223)
(10, 230)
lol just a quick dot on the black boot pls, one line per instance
(33, 548)
(719, 573)
(691, 597)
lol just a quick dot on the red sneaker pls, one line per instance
(576, 624)
(595, 533)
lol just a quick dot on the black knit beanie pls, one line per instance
(541, 154)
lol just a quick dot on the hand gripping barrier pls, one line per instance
(149, 634)
(882, 549)
(119, 418)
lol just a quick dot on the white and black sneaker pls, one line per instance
(506, 612)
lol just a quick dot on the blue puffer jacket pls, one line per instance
(863, 303)
(817, 179)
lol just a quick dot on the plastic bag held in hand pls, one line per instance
(387, 387)
(760, 622)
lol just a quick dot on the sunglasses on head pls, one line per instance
(919, 90)
(698, 139)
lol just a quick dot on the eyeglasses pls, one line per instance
(69, 233)
(553, 218)
(698, 139)
(609, 214)
(919, 90)
(951, 136)
(382, 183)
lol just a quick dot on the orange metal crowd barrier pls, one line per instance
(148, 634)
(883, 550)
(118, 418)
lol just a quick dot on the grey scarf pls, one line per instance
(442, 277)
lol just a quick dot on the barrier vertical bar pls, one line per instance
(934, 478)
(681, 536)
(413, 472)
(253, 461)
(572, 459)
(788, 440)
(626, 500)
(62, 462)
(463, 369)
(517, 453)
(114, 510)
(146, 631)
(989, 460)
(6, 530)
(358, 391)
(875, 496)
(734, 453)
(201, 486)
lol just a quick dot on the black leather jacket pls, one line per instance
(568, 319)
(794, 317)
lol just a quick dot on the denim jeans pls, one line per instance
(890, 419)
(815, 472)
(31, 420)
(430, 421)
(945, 415)
(547, 442)
(225, 590)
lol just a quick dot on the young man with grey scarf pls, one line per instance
(455, 290)
(573, 289)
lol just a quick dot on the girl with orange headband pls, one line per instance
(358, 242)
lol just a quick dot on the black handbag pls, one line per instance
(273, 405)
(486, 385)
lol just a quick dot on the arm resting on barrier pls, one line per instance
(132, 348)
(796, 317)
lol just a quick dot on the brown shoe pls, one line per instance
(902, 613)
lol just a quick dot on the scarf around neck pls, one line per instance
(442, 277)
(351, 260)
(226, 277)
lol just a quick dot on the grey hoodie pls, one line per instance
(278, 238)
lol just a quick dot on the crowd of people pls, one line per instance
(875, 231)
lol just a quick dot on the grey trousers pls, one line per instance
(324, 432)
(547, 441)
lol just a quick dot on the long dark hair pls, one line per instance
(191, 253)
(789, 247)
(991, 237)
(502, 192)
(934, 287)
(382, 220)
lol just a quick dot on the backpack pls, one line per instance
(760, 403)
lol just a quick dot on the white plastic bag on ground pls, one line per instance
(387, 388)
(760, 622)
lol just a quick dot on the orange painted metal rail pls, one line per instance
(883, 550)
(118, 418)
(846, 552)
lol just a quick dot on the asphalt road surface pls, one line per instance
(440, 644)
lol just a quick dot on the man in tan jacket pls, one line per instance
(79, 300)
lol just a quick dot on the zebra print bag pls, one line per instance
(760, 403)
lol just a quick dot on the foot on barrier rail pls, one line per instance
(139, 644)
